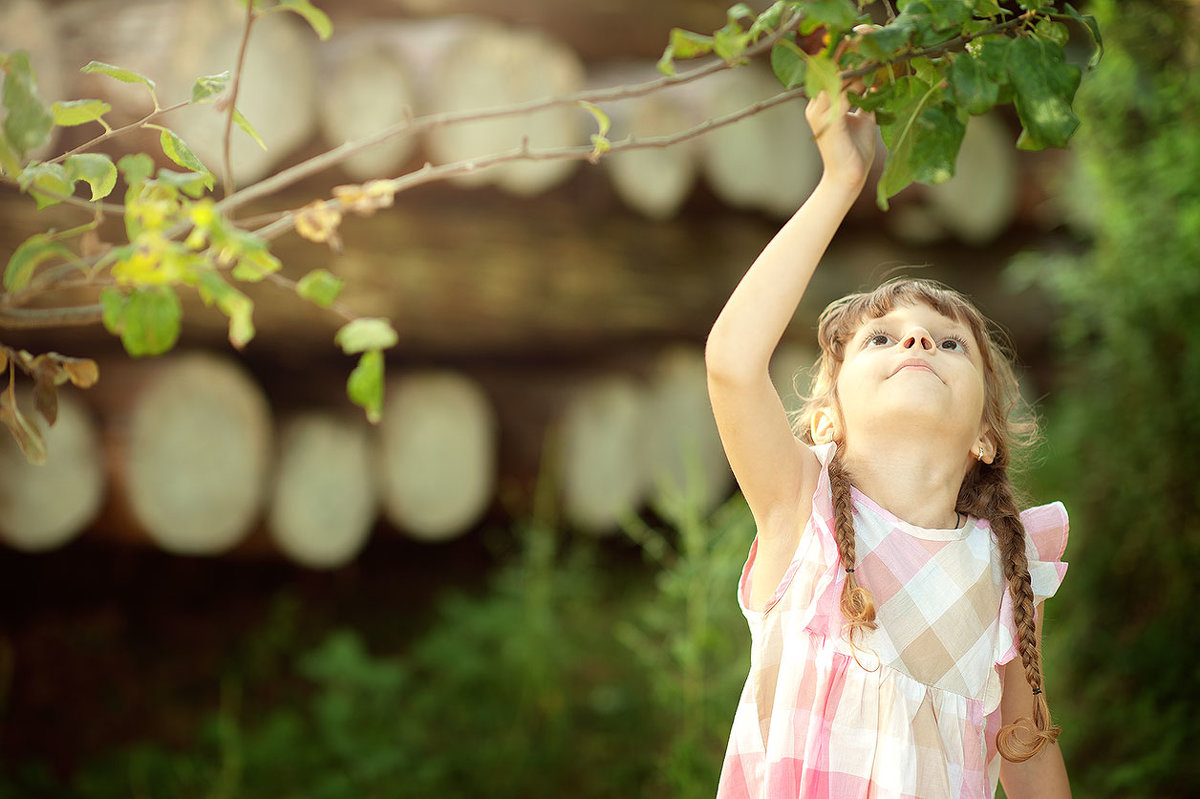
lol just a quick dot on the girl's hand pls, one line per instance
(845, 137)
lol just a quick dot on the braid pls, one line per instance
(987, 492)
(857, 605)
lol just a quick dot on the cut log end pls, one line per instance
(437, 455)
(197, 455)
(324, 502)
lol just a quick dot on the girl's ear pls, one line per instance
(824, 426)
(985, 448)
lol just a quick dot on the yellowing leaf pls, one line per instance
(320, 287)
(245, 125)
(361, 335)
(26, 434)
(315, 17)
(318, 221)
(29, 255)
(96, 169)
(79, 112)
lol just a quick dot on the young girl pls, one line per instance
(894, 589)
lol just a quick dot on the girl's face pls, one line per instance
(914, 367)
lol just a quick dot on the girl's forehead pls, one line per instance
(914, 313)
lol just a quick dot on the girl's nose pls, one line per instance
(917, 337)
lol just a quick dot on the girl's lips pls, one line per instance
(916, 363)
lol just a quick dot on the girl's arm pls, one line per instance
(1043, 776)
(776, 473)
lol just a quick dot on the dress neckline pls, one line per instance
(953, 534)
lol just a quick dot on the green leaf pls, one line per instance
(987, 8)
(315, 17)
(96, 169)
(245, 125)
(123, 75)
(788, 64)
(48, 183)
(10, 162)
(320, 287)
(821, 75)
(1044, 86)
(365, 385)
(971, 85)
(255, 264)
(148, 319)
(178, 150)
(1093, 28)
(25, 433)
(79, 112)
(193, 184)
(31, 254)
(683, 44)
(137, 169)
(946, 14)
(361, 335)
(836, 15)
(231, 302)
(29, 119)
(209, 87)
(1052, 31)
(922, 141)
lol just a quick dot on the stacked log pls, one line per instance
(324, 502)
(437, 454)
(191, 438)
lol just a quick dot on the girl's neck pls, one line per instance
(915, 480)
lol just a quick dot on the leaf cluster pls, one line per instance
(923, 72)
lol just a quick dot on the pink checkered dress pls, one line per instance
(913, 710)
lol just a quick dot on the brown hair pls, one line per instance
(987, 491)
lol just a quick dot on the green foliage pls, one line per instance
(1125, 427)
(925, 71)
(576, 673)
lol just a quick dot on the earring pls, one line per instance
(980, 453)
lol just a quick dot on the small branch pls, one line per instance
(34, 318)
(155, 114)
(432, 174)
(414, 126)
(233, 96)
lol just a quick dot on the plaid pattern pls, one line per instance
(911, 710)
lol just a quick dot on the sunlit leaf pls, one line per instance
(137, 168)
(29, 255)
(79, 112)
(245, 125)
(365, 385)
(178, 151)
(29, 119)
(836, 15)
(315, 17)
(361, 335)
(320, 287)
(683, 44)
(121, 74)
(48, 183)
(234, 304)
(95, 169)
(148, 319)
(209, 87)
(192, 184)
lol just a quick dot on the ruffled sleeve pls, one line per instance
(1045, 541)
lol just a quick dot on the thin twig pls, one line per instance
(155, 114)
(33, 318)
(416, 125)
(233, 96)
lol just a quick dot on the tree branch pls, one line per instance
(155, 114)
(233, 96)
(34, 318)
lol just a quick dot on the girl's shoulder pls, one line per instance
(1046, 530)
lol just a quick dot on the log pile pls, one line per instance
(185, 454)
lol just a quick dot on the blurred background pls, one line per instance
(225, 583)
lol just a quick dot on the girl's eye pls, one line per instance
(954, 344)
(878, 339)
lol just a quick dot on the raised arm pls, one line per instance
(774, 470)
